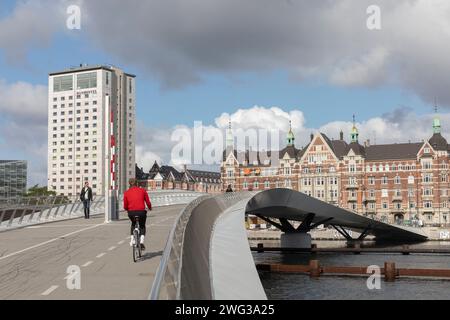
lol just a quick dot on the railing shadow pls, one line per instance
(151, 255)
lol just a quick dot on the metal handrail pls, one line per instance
(24, 211)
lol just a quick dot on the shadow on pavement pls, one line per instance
(151, 255)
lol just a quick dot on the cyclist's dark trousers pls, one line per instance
(86, 205)
(142, 219)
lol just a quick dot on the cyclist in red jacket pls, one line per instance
(134, 202)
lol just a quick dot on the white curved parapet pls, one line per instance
(207, 255)
(232, 268)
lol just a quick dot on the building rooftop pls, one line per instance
(9, 161)
(396, 151)
(85, 67)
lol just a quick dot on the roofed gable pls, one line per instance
(319, 140)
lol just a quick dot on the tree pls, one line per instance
(37, 191)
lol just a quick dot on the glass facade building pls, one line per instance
(13, 178)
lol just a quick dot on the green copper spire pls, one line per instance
(354, 133)
(290, 136)
(436, 121)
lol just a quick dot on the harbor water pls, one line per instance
(282, 286)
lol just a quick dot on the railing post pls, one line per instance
(11, 219)
(24, 211)
(34, 210)
(2, 216)
(64, 206)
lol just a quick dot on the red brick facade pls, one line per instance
(387, 182)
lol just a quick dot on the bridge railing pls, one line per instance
(25, 211)
(167, 283)
(167, 279)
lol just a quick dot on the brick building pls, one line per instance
(169, 178)
(391, 182)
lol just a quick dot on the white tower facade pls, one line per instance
(76, 128)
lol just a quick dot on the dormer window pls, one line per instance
(426, 150)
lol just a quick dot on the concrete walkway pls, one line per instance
(34, 260)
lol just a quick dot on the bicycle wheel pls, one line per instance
(136, 246)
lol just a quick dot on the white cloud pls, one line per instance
(260, 117)
(366, 70)
(23, 130)
(401, 125)
(23, 100)
(146, 158)
(31, 24)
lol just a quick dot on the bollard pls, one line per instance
(357, 247)
(260, 247)
(405, 250)
(314, 268)
(389, 271)
(313, 247)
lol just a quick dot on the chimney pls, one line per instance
(312, 137)
(184, 167)
(365, 144)
(368, 142)
(341, 135)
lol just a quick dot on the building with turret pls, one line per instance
(390, 182)
(168, 178)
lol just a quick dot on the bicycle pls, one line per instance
(137, 251)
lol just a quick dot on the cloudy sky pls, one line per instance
(259, 62)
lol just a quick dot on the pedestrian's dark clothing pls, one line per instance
(229, 189)
(86, 198)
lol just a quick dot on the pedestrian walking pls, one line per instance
(86, 198)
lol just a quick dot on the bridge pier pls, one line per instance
(300, 240)
(295, 237)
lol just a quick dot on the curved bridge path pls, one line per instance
(34, 260)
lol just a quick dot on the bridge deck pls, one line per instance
(34, 260)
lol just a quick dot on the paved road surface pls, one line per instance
(34, 260)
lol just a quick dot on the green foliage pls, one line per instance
(37, 191)
(41, 195)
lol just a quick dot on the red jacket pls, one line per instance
(135, 199)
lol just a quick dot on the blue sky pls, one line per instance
(239, 66)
